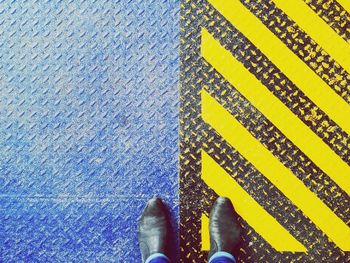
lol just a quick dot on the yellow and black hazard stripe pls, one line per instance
(335, 14)
(265, 120)
(290, 95)
(295, 38)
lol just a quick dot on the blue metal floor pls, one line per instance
(88, 125)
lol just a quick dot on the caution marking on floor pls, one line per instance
(264, 117)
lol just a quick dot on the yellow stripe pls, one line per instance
(301, 75)
(264, 224)
(318, 30)
(292, 127)
(205, 233)
(345, 4)
(236, 135)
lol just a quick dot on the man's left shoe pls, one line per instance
(224, 229)
(154, 229)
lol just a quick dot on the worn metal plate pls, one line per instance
(88, 125)
(265, 121)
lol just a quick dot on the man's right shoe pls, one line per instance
(224, 229)
(154, 229)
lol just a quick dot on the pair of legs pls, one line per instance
(154, 232)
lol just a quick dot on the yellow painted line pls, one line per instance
(289, 124)
(318, 30)
(345, 4)
(205, 233)
(289, 63)
(236, 135)
(256, 216)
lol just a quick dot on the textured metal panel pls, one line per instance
(88, 125)
(212, 134)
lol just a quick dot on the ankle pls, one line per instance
(222, 256)
(157, 258)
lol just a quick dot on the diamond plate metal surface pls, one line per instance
(88, 125)
(229, 118)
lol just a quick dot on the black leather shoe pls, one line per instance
(154, 229)
(224, 229)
